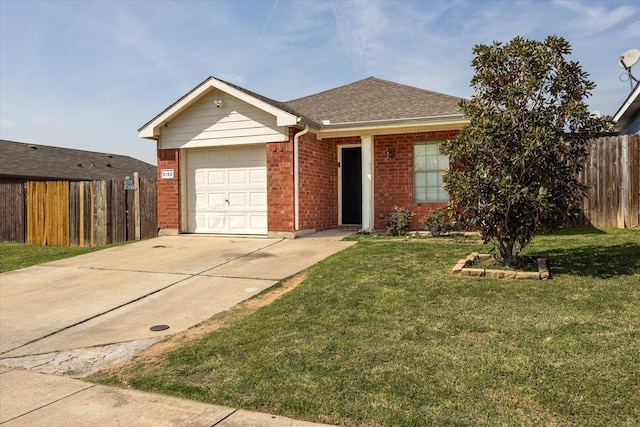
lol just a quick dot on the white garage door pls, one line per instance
(227, 190)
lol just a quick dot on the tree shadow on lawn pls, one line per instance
(600, 262)
(575, 231)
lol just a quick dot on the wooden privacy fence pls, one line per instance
(612, 173)
(12, 206)
(85, 213)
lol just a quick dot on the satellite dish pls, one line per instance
(629, 58)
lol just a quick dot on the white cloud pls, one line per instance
(594, 18)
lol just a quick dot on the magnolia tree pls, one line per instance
(514, 167)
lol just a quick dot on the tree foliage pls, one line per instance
(514, 167)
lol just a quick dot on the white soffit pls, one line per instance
(329, 130)
(627, 109)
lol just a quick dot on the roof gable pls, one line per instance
(43, 162)
(284, 116)
(373, 99)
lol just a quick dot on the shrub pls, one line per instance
(438, 222)
(399, 221)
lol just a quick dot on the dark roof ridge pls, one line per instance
(372, 78)
(373, 99)
(331, 89)
(413, 87)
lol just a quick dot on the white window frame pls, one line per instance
(443, 196)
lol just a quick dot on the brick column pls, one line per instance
(280, 187)
(169, 192)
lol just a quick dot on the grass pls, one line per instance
(383, 334)
(19, 255)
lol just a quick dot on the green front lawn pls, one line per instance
(20, 255)
(384, 334)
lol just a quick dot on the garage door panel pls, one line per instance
(258, 176)
(216, 222)
(237, 176)
(237, 199)
(227, 190)
(200, 177)
(238, 222)
(216, 177)
(258, 222)
(216, 200)
(200, 222)
(258, 200)
(201, 201)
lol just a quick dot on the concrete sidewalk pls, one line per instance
(33, 399)
(79, 315)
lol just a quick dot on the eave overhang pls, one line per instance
(628, 109)
(378, 127)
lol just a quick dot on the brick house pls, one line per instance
(231, 161)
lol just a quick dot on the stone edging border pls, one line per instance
(462, 268)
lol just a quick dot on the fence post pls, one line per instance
(100, 214)
(136, 204)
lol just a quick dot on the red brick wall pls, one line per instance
(393, 177)
(169, 190)
(280, 185)
(318, 183)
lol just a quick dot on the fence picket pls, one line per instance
(12, 205)
(612, 177)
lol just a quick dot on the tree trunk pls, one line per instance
(507, 255)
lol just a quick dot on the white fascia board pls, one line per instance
(633, 97)
(150, 130)
(457, 121)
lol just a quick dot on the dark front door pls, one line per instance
(351, 185)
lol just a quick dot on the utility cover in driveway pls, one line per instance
(227, 190)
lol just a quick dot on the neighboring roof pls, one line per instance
(32, 161)
(629, 111)
(373, 99)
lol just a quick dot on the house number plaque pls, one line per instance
(166, 173)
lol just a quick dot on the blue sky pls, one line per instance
(88, 74)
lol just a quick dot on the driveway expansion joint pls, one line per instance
(89, 386)
(95, 316)
(241, 256)
(225, 417)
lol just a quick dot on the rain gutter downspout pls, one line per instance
(296, 184)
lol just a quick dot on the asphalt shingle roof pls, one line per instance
(32, 161)
(366, 100)
(373, 99)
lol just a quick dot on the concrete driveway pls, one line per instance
(78, 315)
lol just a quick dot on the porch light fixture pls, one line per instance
(391, 154)
(218, 102)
